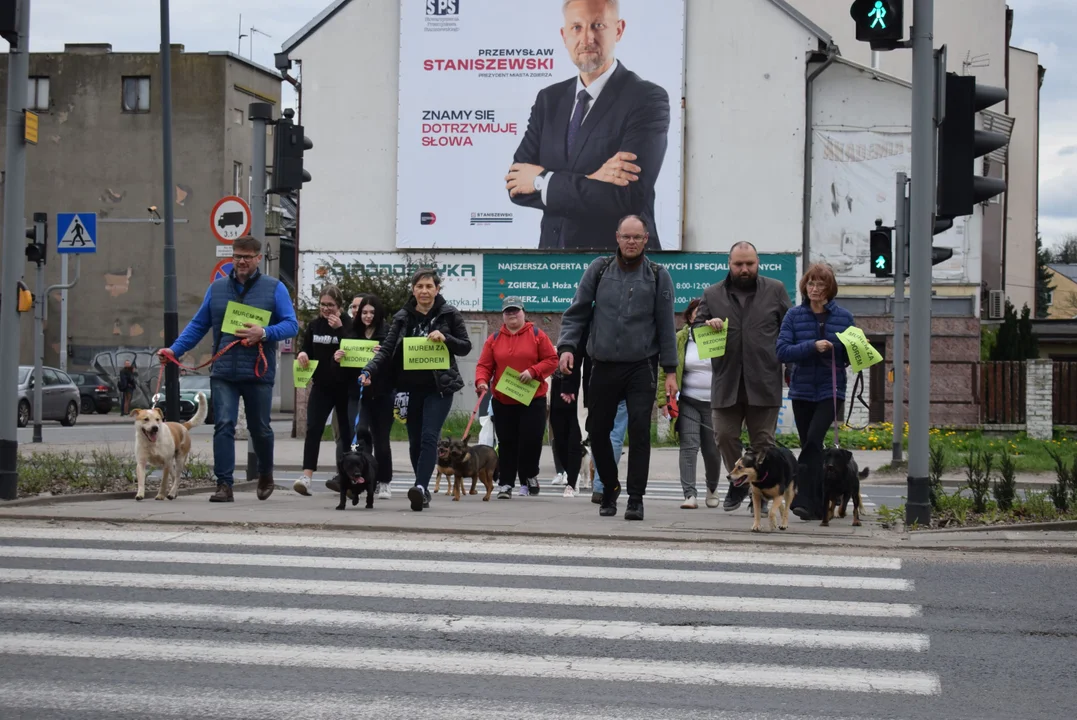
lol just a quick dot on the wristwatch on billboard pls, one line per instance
(540, 181)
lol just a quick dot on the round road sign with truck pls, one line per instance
(230, 219)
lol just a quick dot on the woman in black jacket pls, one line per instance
(376, 412)
(566, 438)
(430, 392)
(328, 391)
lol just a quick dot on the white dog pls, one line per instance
(166, 450)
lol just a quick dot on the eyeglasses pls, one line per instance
(244, 257)
(510, 311)
(815, 284)
(328, 306)
(632, 238)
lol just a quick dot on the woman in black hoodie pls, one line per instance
(328, 385)
(567, 440)
(430, 392)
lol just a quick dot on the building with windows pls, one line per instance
(100, 150)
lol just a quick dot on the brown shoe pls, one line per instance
(265, 486)
(223, 494)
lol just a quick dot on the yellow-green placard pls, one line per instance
(237, 314)
(861, 353)
(711, 342)
(357, 353)
(303, 376)
(512, 386)
(423, 354)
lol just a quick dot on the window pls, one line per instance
(136, 94)
(37, 94)
(237, 177)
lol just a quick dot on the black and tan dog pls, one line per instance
(478, 462)
(773, 476)
(358, 471)
(841, 483)
(444, 466)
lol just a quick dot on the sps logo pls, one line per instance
(427, 218)
(442, 7)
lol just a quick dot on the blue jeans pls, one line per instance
(258, 401)
(617, 437)
(426, 416)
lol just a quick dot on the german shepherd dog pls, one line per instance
(358, 471)
(444, 466)
(478, 462)
(841, 483)
(773, 475)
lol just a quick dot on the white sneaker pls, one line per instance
(569, 492)
(302, 485)
(689, 503)
(560, 479)
(504, 492)
(384, 493)
(712, 498)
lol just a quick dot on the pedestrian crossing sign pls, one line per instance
(76, 233)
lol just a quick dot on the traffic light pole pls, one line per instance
(259, 114)
(41, 300)
(918, 505)
(171, 319)
(13, 252)
(901, 237)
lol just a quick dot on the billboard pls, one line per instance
(497, 147)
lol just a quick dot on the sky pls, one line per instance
(1041, 26)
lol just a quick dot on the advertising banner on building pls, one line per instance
(536, 100)
(547, 282)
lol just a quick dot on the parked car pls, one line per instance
(190, 386)
(97, 393)
(59, 396)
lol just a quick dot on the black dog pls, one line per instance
(841, 483)
(358, 471)
(772, 476)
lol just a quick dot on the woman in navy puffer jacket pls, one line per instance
(809, 342)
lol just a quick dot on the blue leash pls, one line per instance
(358, 412)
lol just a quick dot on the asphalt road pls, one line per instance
(99, 622)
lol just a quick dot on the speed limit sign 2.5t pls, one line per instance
(230, 219)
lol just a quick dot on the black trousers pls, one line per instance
(376, 415)
(635, 383)
(813, 419)
(325, 399)
(519, 431)
(567, 439)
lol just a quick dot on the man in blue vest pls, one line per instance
(241, 372)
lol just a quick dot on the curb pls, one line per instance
(1055, 526)
(125, 495)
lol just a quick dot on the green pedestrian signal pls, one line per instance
(881, 247)
(879, 22)
(880, 262)
(879, 13)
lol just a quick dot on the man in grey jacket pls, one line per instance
(746, 382)
(628, 301)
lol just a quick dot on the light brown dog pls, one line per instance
(165, 445)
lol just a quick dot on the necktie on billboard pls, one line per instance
(583, 99)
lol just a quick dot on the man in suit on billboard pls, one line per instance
(595, 143)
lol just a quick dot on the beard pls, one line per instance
(590, 63)
(744, 282)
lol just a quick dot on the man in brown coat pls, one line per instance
(746, 382)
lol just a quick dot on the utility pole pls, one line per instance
(172, 399)
(63, 314)
(18, 70)
(41, 301)
(259, 114)
(921, 225)
(901, 239)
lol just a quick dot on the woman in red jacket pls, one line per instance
(527, 350)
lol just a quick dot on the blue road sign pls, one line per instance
(76, 233)
(222, 270)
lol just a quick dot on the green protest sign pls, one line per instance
(511, 386)
(423, 354)
(302, 376)
(357, 353)
(861, 352)
(237, 314)
(711, 342)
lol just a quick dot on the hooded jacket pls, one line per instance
(319, 343)
(529, 349)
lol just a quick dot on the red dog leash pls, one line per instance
(261, 365)
(467, 430)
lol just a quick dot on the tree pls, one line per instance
(1066, 253)
(1043, 279)
(1027, 344)
(1015, 339)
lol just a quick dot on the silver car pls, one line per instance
(59, 396)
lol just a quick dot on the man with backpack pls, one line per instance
(628, 301)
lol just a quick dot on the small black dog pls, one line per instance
(772, 475)
(358, 471)
(841, 483)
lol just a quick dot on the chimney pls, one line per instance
(88, 48)
(176, 47)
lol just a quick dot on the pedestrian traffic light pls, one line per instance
(960, 189)
(289, 144)
(38, 235)
(881, 243)
(879, 22)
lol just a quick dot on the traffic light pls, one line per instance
(882, 250)
(289, 144)
(38, 235)
(960, 189)
(879, 22)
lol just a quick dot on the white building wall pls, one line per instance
(1023, 206)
